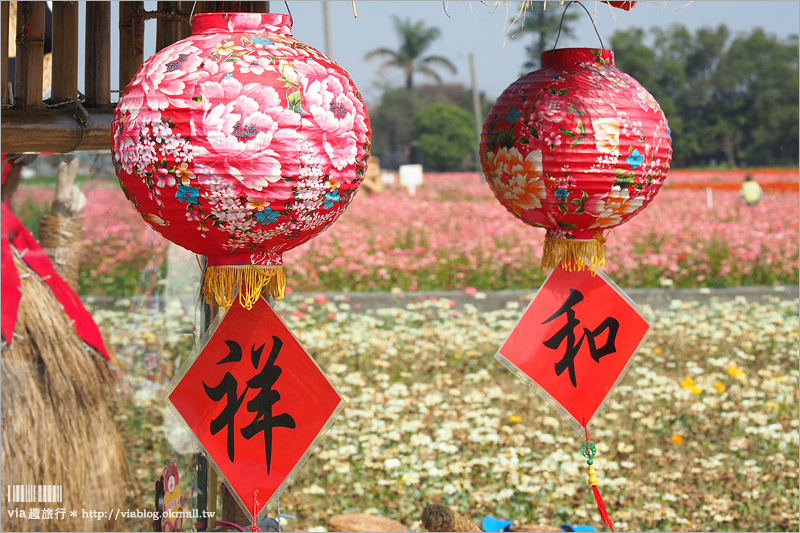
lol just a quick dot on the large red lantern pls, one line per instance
(577, 147)
(240, 143)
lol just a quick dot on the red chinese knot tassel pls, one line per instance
(255, 527)
(588, 450)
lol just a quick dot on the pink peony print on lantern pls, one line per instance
(240, 143)
(576, 147)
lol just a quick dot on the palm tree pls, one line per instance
(415, 38)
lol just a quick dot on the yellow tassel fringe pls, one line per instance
(575, 254)
(223, 283)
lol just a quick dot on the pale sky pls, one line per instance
(478, 27)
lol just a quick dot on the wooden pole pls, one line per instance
(131, 45)
(30, 54)
(476, 110)
(65, 51)
(98, 54)
(184, 27)
(167, 27)
(55, 130)
(4, 8)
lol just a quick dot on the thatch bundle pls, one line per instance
(357, 522)
(62, 238)
(57, 428)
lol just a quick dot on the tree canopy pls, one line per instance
(445, 134)
(729, 100)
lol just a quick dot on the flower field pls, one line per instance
(700, 435)
(453, 234)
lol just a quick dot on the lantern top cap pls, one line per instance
(205, 23)
(561, 56)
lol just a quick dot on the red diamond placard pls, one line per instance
(574, 342)
(257, 402)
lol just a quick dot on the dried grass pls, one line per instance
(57, 428)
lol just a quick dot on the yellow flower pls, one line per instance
(736, 372)
(458, 356)
(695, 389)
(688, 383)
(677, 439)
(719, 386)
(656, 351)
(514, 419)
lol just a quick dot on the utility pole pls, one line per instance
(476, 108)
(326, 17)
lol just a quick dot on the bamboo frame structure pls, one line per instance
(69, 121)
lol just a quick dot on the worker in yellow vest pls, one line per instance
(751, 190)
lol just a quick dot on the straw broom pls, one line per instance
(57, 426)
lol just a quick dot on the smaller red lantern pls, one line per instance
(577, 147)
(627, 5)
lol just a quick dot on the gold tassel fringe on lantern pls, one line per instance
(575, 254)
(224, 283)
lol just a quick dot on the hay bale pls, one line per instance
(358, 522)
(438, 517)
(57, 427)
(62, 240)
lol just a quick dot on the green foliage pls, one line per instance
(445, 134)
(391, 118)
(731, 101)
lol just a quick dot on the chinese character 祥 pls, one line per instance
(260, 405)
(568, 332)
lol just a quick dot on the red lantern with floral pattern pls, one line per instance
(240, 143)
(577, 147)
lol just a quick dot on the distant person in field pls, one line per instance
(751, 191)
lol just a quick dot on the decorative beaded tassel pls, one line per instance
(589, 450)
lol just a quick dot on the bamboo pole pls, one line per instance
(4, 8)
(98, 54)
(184, 26)
(55, 130)
(65, 51)
(131, 46)
(167, 27)
(30, 54)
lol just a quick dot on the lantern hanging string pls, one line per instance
(291, 18)
(561, 23)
